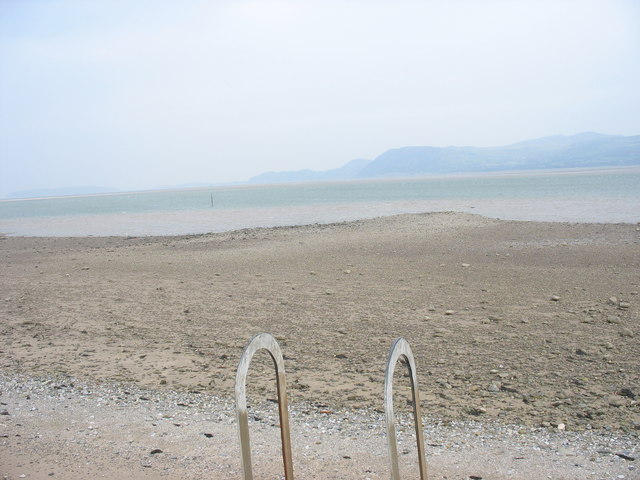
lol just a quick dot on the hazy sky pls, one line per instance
(140, 94)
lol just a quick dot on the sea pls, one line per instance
(595, 195)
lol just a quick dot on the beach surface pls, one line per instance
(525, 335)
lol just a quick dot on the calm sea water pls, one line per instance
(597, 196)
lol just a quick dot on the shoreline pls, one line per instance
(516, 327)
(247, 184)
(203, 222)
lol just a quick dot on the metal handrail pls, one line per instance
(259, 341)
(401, 348)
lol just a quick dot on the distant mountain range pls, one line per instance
(584, 150)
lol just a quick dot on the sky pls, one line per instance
(135, 94)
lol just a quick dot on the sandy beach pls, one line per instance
(526, 338)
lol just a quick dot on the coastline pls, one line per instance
(197, 222)
(525, 324)
(247, 184)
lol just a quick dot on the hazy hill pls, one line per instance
(347, 171)
(558, 151)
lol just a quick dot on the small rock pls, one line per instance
(347, 272)
(155, 451)
(613, 319)
(625, 332)
(449, 312)
(4, 412)
(443, 383)
(616, 402)
(626, 457)
(613, 301)
(627, 392)
(624, 305)
(341, 355)
(476, 411)
(466, 265)
(562, 427)
(566, 452)
(493, 388)
(555, 298)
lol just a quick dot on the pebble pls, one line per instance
(616, 402)
(493, 388)
(466, 265)
(555, 298)
(625, 332)
(613, 319)
(624, 305)
(443, 383)
(449, 312)
(566, 452)
(627, 392)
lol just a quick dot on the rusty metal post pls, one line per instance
(266, 341)
(401, 348)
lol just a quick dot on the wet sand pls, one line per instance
(512, 323)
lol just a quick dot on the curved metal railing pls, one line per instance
(259, 341)
(400, 348)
